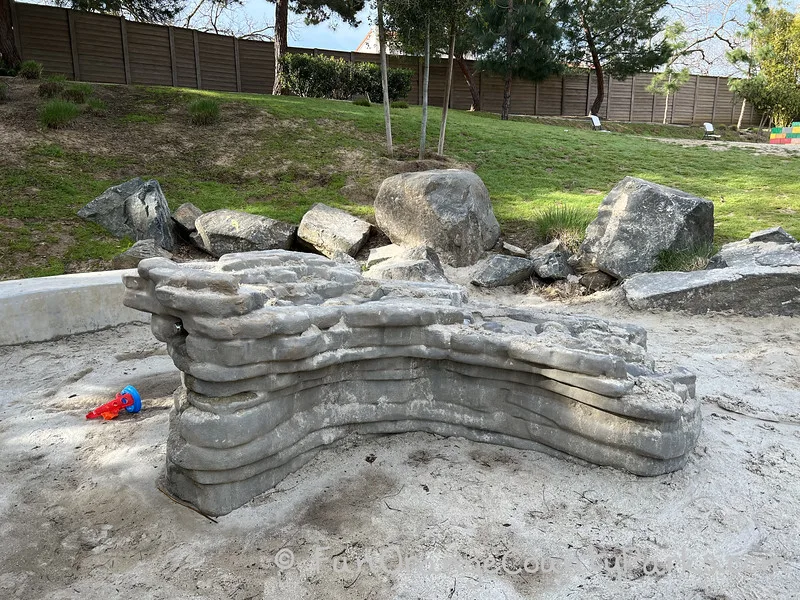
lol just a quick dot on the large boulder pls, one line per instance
(637, 221)
(502, 270)
(226, 231)
(136, 209)
(139, 251)
(447, 210)
(330, 230)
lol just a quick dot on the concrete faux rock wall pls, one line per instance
(285, 353)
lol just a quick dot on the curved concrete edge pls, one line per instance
(45, 308)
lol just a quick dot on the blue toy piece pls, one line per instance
(137, 400)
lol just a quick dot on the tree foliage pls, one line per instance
(615, 37)
(771, 63)
(148, 11)
(518, 38)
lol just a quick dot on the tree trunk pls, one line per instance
(473, 87)
(425, 81)
(9, 53)
(741, 115)
(506, 96)
(598, 68)
(448, 87)
(387, 113)
(509, 55)
(666, 108)
(281, 41)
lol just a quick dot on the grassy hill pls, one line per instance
(277, 156)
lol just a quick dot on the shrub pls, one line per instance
(3, 91)
(7, 69)
(690, 259)
(96, 105)
(30, 69)
(326, 77)
(362, 102)
(399, 104)
(77, 93)
(566, 223)
(204, 111)
(58, 113)
(50, 89)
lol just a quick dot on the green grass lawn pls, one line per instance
(277, 156)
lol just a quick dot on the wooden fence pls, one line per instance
(102, 48)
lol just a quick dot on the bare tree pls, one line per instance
(225, 17)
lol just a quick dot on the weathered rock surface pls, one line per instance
(773, 234)
(136, 209)
(448, 210)
(286, 353)
(330, 230)
(500, 270)
(409, 264)
(756, 279)
(138, 252)
(550, 261)
(637, 221)
(753, 291)
(510, 250)
(227, 231)
(596, 281)
(382, 253)
(185, 216)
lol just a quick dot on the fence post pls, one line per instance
(15, 27)
(633, 97)
(236, 63)
(196, 42)
(752, 113)
(608, 98)
(536, 98)
(73, 42)
(653, 112)
(694, 102)
(172, 56)
(563, 92)
(123, 30)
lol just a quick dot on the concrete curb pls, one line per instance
(45, 308)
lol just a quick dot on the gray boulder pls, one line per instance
(410, 264)
(763, 254)
(185, 216)
(637, 221)
(773, 234)
(330, 230)
(226, 231)
(382, 253)
(502, 270)
(136, 209)
(550, 261)
(139, 251)
(448, 210)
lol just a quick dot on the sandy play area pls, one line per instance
(406, 516)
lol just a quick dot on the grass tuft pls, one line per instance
(77, 92)
(566, 223)
(50, 89)
(691, 259)
(204, 111)
(96, 105)
(56, 114)
(362, 102)
(399, 104)
(30, 69)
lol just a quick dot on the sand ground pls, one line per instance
(406, 516)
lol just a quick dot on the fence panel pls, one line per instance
(94, 47)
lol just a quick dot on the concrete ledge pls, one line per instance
(45, 308)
